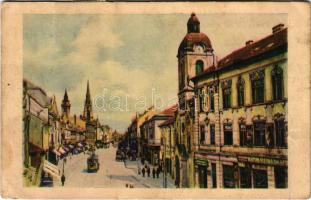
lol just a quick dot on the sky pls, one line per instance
(129, 59)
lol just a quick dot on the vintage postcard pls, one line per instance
(155, 100)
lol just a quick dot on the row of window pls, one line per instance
(257, 89)
(260, 134)
(243, 177)
(247, 177)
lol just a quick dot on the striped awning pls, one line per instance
(66, 149)
(61, 150)
(56, 152)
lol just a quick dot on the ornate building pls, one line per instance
(241, 117)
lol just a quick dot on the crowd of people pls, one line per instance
(146, 171)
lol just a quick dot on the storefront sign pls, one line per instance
(261, 160)
(201, 162)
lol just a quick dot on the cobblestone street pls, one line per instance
(111, 174)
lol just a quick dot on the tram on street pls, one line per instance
(92, 163)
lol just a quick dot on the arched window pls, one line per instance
(199, 67)
(240, 87)
(277, 83)
(258, 86)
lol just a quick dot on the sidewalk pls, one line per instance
(150, 181)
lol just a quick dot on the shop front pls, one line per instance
(202, 172)
(262, 172)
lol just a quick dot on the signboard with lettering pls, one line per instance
(201, 162)
(263, 160)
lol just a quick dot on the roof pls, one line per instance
(53, 106)
(169, 111)
(256, 48)
(251, 50)
(168, 122)
(193, 19)
(37, 93)
(194, 38)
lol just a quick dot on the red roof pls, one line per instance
(195, 38)
(170, 110)
(35, 148)
(170, 121)
(251, 50)
(261, 46)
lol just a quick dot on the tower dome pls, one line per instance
(193, 24)
(194, 36)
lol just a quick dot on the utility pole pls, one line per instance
(164, 165)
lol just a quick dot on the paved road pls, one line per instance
(111, 174)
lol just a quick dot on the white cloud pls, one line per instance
(96, 34)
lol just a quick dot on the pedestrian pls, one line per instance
(158, 172)
(139, 169)
(124, 160)
(65, 160)
(153, 172)
(63, 178)
(148, 171)
(143, 171)
(142, 160)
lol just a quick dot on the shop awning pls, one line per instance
(35, 148)
(56, 152)
(61, 150)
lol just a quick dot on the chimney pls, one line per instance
(248, 42)
(277, 28)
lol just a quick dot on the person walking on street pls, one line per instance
(158, 172)
(143, 171)
(148, 171)
(139, 169)
(153, 172)
(63, 178)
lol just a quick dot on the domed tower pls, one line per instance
(195, 55)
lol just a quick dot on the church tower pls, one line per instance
(195, 56)
(66, 106)
(88, 111)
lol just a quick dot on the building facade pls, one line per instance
(151, 135)
(241, 117)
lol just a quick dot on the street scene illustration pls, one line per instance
(155, 100)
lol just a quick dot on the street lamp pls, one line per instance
(164, 164)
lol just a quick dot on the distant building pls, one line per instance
(73, 128)
(151, 135)
(134, 129)
(91, 125)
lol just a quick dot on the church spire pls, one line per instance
(66, 105)
(88, 111)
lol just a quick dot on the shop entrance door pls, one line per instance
(202, 176)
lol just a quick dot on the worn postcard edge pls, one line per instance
(298, 100)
